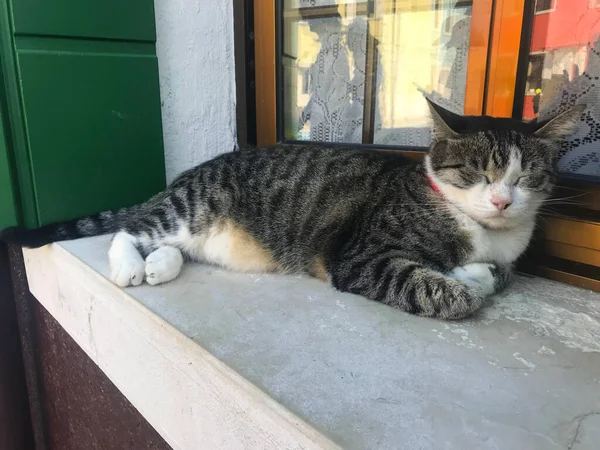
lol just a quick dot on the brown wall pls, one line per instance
(15, 425)
(83, 409)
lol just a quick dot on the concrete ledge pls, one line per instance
(190, 397)
(223, 360)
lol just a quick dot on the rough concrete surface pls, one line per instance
(522, 374)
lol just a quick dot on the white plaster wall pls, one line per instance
(197, 80)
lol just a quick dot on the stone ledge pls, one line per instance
(224, 360)
(191, 398)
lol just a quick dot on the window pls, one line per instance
(544, 6)
(535, 72)
(354, 72)
(367, 72)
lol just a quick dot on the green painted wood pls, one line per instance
(94, 129)
(8, 209)
(82, 96)
(106, 19)
(22, 184)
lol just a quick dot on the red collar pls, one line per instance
(434, 186)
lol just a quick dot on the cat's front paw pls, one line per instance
(163, 265)
(478, 276)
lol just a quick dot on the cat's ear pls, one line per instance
(442, 131)
(561, 126)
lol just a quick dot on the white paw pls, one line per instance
(127, 270)
(163, 265)
(126, 263)
(476, 275)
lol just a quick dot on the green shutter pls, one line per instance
(81, 81)
(8, 211)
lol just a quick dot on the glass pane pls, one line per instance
(563, 70)
(356, 71)
(323, 63)
(422, 48)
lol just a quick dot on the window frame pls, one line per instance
(497, 69)
(545, 11)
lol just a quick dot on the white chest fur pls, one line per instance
(501, 246)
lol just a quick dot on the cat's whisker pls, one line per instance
(549, 213)
(559, 203)
(569, 197)
(434, 203)
(558, 200)
(568, 187)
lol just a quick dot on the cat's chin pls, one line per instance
(499, 222)
(494, 221)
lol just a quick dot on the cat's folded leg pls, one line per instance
(486, 277)
(407, 285)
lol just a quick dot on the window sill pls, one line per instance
(247, 361)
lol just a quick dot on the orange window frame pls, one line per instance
(567, 246)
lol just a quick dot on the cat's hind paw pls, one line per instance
(163, 265)
(127, 271)
(478, 276)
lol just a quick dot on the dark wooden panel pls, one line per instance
(15, 423)
(84, 409)
(24, 300)
(266, 98)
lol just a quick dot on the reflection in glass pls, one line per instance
(355, 71)
(422, 50)
(563, 70)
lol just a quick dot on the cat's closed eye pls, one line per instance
(451, 167)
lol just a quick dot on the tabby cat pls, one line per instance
(431, 239)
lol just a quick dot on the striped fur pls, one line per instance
(369, 223)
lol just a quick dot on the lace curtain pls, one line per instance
(580, 154)
(336, 80)
(453, 50)
(335, 108)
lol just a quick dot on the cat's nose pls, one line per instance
(501, 203)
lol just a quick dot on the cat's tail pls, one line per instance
(93, 225)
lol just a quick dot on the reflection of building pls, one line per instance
(563, 32)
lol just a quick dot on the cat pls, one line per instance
(433, 239)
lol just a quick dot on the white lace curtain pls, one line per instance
(581, 152)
